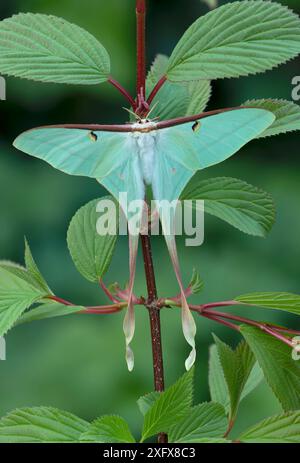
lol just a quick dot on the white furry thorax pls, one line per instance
(146, 140)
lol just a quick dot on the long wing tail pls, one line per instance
(188, 323)
(129, 320)
(127, 187)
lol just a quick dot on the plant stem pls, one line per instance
(107, 292)
(141, 46)
(156, 89)
(59, 300)
(154, 314)
(123, 91)
(152, 303)
(229, 429)
(219, 316)
(99, 309)
(220, 320)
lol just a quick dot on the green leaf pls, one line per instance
(176, 100)
(287, 115)
(243, 206)
(108, 429)
(16, 295)
(196, 284)
(237, 366)
(8, 264)
(171, 405)
(20, 272)
(34, 271)
(217, 383)
(91, 252)
(278, 429)
(157, 70)
(280, 370)
(146, 402)
(50, 310)
(286, 302)
(50, 49)
(41, 424)
(199, 95)
(172, 99)
(255, 378)
(237, 39)
(204, 420)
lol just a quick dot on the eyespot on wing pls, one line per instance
(92, 136)
(196, 126)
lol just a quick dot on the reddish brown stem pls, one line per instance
(108, 293)
(229, 429)
(141, 46)
(277, 335)
(154, 311)
(123, 91)
(235, 318)
(282, 329)
(156, 89)
(212, 305)
(211, 316)
(219, 316)
(151, 304)
(100, 309)
(60, 300)
(154, 314)
(205, 310)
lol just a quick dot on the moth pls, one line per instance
(161, 154)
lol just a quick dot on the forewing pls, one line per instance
(77, 151)
(197, 145)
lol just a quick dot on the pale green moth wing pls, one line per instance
(181, 151)
(197, 145)
(107, 156)
(76, 151)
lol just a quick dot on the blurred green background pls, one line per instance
(77, 363)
